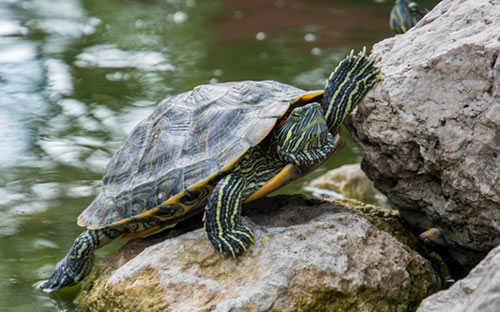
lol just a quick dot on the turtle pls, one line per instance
(210, 150)
(405, 14)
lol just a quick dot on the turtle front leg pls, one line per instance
(222, 216)
(303, 139)
(79, 260)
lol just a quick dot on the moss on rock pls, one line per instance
(96, 296)
(310, 255)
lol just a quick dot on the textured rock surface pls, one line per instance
(350, 181)
(310, 255)
(478, 292)
(429, 132)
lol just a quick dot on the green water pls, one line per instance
(76, 76)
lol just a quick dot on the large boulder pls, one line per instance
(429, 132)
(478, 292)
(309, 255)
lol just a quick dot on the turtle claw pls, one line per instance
(43, 286)
(60, 278)
(233, 242)
(68, 271)
(47, 287)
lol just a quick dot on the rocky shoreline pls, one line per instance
(429, 134)
(310, 255)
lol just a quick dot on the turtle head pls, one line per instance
(303, 130)
(74, 267)
(63, 276)
(347, 85)
(433, 236)
(405, 14)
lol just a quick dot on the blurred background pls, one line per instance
(77, 75)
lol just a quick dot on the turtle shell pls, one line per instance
(187, 141)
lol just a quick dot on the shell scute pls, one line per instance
(186, 141)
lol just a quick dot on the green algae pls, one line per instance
(96, 296)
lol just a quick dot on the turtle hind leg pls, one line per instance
(79, 260)
(222, 217)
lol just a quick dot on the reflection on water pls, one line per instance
(76, 76)
(109, 56)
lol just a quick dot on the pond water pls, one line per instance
(77, 75)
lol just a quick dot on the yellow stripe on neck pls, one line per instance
(288, 173)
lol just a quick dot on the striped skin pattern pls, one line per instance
(404, 15)
(188, 139)
(222, 216)
(304, 139)
(347, 85)
(79, 261)
(222, 213)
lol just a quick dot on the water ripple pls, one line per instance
(109, 56)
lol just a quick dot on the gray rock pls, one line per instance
(478, 292)
(309, 255)
(349, 181)
(429, 132)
